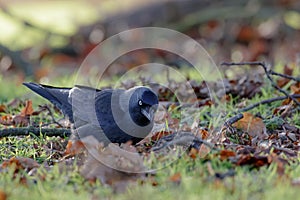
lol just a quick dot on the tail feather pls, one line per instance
(56, 95)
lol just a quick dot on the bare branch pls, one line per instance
(181, 139)
(266, 101)
(268, 73)
(61, 132)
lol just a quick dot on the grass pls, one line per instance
(196, 182)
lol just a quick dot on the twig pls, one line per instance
(268, 72)
(266, 101)
(284, 76)
(61, 132)
(51, 115)
(182, 139)
(234, 119)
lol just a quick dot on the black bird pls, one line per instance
(110, 115)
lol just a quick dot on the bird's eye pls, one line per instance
(140, 102)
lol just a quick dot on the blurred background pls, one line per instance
(45, 41)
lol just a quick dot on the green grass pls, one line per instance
(196, 181)
(62, 18)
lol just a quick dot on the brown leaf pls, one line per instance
(20, 163)
(3, 195)
(247, 33)
(225, 154)
(74, 147)
(256, 161)
(6, 120)
(175, 178)
(28, 110)
(2, 108)
(157, 136)
(203, 133)
(111, 165)
(254, 126)
(281, 82)
(204, 150)
(20, 120)
(295, 88)
(193, 153)
(41, 72)
(288, 70)
(258, 47)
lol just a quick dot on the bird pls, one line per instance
(110, 115)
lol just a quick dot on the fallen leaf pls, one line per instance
(6, 120)
(203, 133)
(20, 163)
(254, 126)
(193, 153)
(27, 110)
(21, 120)
(256, 161)
(204, 150)
(175, 178)
(247, 34)
(41, 72)
(3, 195)
(281, 82)
(2, 108)
(225, 154)
(295, 89)
(157, 136)
(111, 165)
(258, 47)
(74, 147)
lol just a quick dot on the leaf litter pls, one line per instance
(252, 140)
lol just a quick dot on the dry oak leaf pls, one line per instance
(27, 110)
(256, 161)
(6, 120)
(3, 195)
(158, 135)
(175, 178)
(295, 88)
(281, 82)
(20, 163)
(201, 152)
(2, 108)
(254, 126)
(74, 147)
(22, 119)
(202, 133)
(112, 165)
(225, 154)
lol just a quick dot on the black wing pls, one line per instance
(56, 95)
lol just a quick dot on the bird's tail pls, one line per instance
(56, 95)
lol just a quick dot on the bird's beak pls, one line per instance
(148, 112)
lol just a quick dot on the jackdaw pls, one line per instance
(110, 115)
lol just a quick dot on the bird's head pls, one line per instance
(143, 104)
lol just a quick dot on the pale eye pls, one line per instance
(140, 102)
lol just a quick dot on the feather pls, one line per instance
(108, 115)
